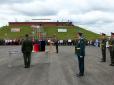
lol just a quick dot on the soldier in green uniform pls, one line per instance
(111, 49)
(27, 47)
(103, 47)
(80, 52)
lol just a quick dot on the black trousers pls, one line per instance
(27, 58)
(56, 49)
(103, 54)
(112, 57)
(81, 64)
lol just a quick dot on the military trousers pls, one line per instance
(56, 49)
(27, 58)
(104, 55)
(112, 56)
(81, 64)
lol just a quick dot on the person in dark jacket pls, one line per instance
(111, 49)
(56, 44)
(103, 47)
(27, 47)
(80, 51)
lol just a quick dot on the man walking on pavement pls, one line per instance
(27, 47)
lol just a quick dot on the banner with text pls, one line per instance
(15, 29)
(62, 30)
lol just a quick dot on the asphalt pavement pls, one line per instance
(50, 68)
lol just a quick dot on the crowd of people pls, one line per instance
(68, 42)
(10, 42)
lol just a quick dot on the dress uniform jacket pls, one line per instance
(80, 47)
(103, 44)
(27, 46)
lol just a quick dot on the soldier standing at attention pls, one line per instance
(111, 49)
(103, 47)
(27, 47)
(80, 51)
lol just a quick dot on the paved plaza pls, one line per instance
(49, 68)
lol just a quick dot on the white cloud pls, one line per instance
(95, 15)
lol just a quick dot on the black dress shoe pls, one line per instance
(80, 75)
(28, 66)
(25, 67)
(102, 61)
(111, 64)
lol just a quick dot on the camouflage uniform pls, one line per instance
(103, 49)
(111, 49)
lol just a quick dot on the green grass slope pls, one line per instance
(5, 32)
(88, 34)
(71, 32)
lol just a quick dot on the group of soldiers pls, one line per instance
(79, 50)
(111, 48)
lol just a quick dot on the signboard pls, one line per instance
(62, 30)
(15, 29)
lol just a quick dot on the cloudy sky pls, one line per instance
(94, 15)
